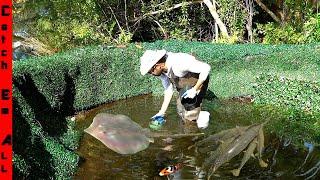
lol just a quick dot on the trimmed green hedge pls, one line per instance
(47, 90)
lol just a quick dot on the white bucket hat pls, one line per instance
(149, 59)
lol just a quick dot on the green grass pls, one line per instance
(235, 68)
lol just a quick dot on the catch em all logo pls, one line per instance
(5, 89)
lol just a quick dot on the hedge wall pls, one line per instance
(49, 89)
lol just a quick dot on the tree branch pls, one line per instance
(165, 10)
(163, 31)
(116, 19)
(125, 15)
(208, 3)
(265, 8)
(217, 19)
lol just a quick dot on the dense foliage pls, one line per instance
(60, 24)
(69, 23)
(308, 32)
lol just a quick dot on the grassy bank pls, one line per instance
(47, 90)
(235, 68)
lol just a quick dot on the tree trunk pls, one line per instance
(249, 6)
(217, 19)
(216, 30)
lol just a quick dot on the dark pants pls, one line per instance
(189, 109)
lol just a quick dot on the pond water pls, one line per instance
(99, 162)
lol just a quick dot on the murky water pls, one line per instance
(99, 162)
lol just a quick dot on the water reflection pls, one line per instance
(99, 162)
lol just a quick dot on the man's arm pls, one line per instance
(168, 92)
(191, 64)
(202, 76)
(166, 100)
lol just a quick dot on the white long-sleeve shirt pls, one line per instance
(179, 64)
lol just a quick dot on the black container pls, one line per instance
(188, 103)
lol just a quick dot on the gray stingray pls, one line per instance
(119, 133)
(122, 135)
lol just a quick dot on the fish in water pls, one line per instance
(168, 140)
(257, 143)
(170, 170)
(233, 146)
(237, 146)
(119, 133)
(214, 140)
(168, 148)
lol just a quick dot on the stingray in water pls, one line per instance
(122, 135)
(119, 133)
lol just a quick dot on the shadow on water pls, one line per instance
(99, 162)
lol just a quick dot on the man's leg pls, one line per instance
(192, 115)
(185, 115)
(190, 120)
(180, 108)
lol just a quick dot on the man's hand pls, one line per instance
(161, 114)
(191, 93)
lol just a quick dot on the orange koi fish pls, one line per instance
(170, 170)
